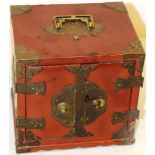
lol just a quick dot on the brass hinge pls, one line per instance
(129, 82)
(118, 117)
(30, 123)
(38, 88)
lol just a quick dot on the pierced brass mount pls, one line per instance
(80, 104)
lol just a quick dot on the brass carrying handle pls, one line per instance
(87, 19)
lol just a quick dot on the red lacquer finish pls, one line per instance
(55, 52)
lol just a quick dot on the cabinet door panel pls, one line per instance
(62, 81)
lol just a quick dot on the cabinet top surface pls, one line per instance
(34, 29)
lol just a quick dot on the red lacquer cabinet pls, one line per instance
(77, 71)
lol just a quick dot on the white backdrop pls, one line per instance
(6, 122)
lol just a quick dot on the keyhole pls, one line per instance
(87, 98)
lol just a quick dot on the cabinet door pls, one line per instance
(78, 101)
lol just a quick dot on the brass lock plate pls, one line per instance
(64, 104)
(80, 104)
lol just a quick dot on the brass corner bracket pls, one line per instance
(135, 50)
(24, 146)
(126, 133)
(24, 56)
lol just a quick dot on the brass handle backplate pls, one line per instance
(87, 19)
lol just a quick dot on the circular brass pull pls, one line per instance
(99, 103)
(62, 107)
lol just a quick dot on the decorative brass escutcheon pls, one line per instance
(80, 104)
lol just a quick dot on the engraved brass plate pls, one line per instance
(30, 123)
(63, 104)
(118, 117)
(129, 82)
(38, 88)
(80, 104)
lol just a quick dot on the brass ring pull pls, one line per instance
(87, 19)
